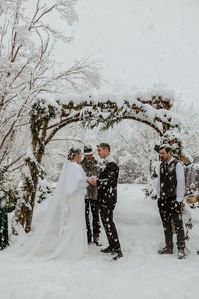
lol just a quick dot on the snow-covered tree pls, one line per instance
(28, 72)
(188, 119)
(27, 66)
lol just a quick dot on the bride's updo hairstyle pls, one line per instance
(73, 152)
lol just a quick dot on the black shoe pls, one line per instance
(96, 241)
(89, 240)
(107, 250)
(165, 250)
(181, 254)
(198, 252)
(117, 255)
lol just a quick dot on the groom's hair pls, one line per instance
(105, 145)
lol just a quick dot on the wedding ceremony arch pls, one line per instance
(47, 117)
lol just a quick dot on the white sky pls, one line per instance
(140, 43)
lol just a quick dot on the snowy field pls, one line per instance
(141, 274)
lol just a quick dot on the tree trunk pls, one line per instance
(38, 148)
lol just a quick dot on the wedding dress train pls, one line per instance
(62, 233)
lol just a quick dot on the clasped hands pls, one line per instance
(92, 181)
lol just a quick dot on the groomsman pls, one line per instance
(107, 198)
(170, 193)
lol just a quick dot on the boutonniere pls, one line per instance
(102, 166)
(171, 168)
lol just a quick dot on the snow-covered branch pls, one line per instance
(27, 66)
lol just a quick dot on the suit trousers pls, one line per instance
(106, 213)
(94, 206)
(170, 210)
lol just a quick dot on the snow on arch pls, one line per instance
(152, 107)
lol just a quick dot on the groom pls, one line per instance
(107, 198)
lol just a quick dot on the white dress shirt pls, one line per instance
(109, 159)
(180, 181)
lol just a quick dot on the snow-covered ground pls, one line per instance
(141, 274)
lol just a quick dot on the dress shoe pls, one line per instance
(117, 255)
(166, 250)
(96, 241)
(107, 250)
(181, 254)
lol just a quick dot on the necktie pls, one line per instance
(166, 167)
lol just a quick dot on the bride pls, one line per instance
(62, 233)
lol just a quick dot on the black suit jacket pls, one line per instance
(107, 184)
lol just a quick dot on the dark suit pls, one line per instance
(169, 208)
(107, 198)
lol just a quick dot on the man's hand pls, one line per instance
(92, 181)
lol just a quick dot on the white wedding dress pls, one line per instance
(62, 233)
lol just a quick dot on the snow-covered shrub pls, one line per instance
(8, 189)
(45, 188)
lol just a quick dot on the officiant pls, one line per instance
(91, 168)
